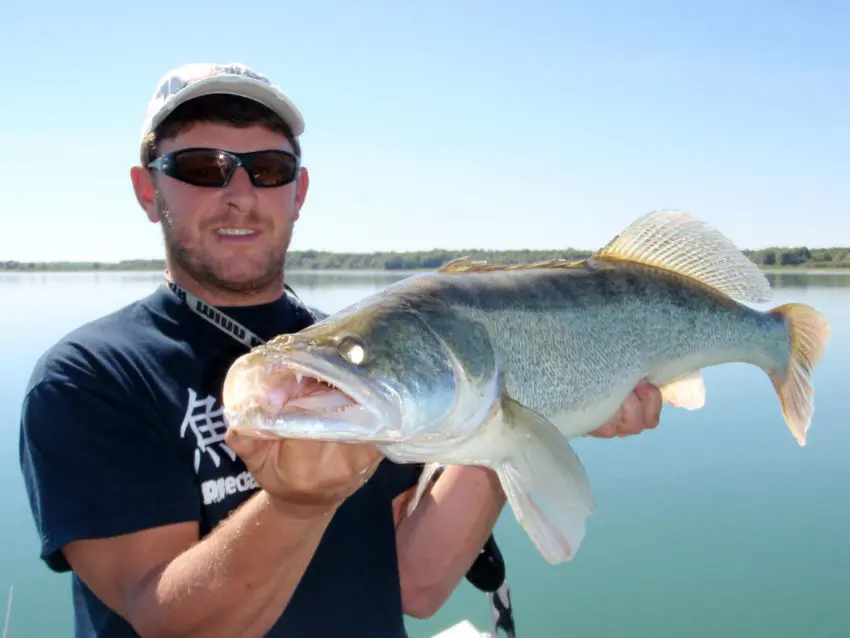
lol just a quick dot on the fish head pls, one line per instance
(376, 373)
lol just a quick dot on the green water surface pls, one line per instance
(714, 525)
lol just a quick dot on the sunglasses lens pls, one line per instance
(272, 168)
(203, 167)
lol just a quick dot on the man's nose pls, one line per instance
(240, 191)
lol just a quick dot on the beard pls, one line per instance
(206, 272)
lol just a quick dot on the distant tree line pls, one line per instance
(126, 265)
(801, 256)
(774, 257)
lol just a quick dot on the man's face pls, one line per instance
(195, 220)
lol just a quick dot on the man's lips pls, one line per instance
(236, 233)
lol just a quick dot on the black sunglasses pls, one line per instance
(212, 167)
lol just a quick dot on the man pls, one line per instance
(173, 528)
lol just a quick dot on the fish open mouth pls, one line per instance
(301, 399)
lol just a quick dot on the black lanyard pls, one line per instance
(220, 320)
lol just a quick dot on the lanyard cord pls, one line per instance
(224, 322)
(216, 317)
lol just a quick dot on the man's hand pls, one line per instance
(640, 411)
(308, 478)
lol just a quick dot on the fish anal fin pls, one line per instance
(544, 481)
(424, 483)
(685, 392)
(677, 242)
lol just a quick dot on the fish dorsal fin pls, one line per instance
(674, 240)
(464, 264)
(461, 264)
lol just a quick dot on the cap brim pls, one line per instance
(235, 85)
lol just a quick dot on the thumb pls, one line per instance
(243, 446)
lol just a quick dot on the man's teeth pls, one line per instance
(235, 231)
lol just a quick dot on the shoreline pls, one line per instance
(119, 268)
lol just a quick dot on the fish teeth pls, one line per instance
(298, 377)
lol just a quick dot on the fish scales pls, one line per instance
(541, 324)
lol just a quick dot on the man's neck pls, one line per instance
(218, 297)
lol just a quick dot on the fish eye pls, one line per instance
(352, 350)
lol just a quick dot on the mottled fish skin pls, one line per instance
(570, 342)
(573, 342)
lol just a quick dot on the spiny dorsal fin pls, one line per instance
(464, 264)
(460, 264)
(678, 242)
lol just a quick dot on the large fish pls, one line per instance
(500, 366)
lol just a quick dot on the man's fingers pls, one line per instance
(641, 410)
(368, 470)
(241, 445)
(650, 398)
(252, 450)
(360, 459)
(609, 429)
(370, 458)
(631, 421)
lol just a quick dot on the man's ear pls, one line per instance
(301, 187)
(145, 191)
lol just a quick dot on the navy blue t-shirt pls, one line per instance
(122, 430)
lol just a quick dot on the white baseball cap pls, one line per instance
(203, 78)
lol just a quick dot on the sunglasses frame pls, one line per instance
(167, 165)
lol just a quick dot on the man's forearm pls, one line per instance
(236, 582)
(443, 536)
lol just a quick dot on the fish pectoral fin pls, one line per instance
(675, 241)
(425, 480)
(685, 392)
(544, 481)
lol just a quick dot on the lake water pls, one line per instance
(714, 525)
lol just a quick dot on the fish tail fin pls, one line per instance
(808, 332)
(545, 482)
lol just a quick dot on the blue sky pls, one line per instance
(449, 124)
